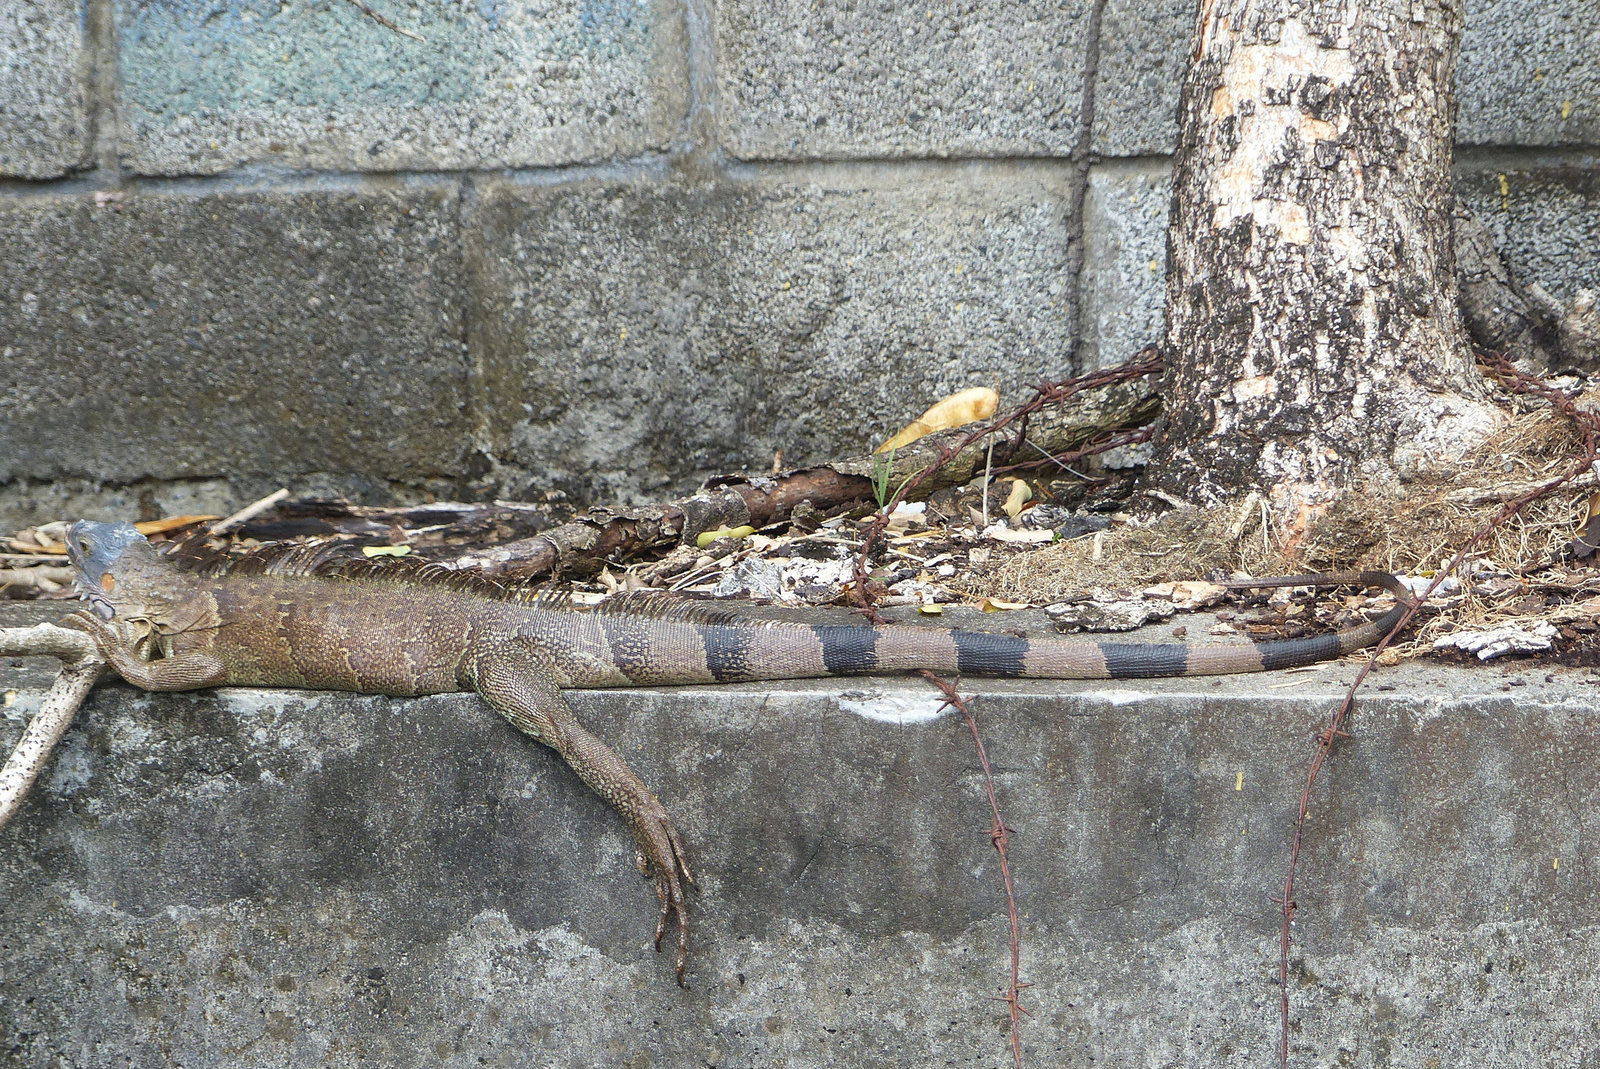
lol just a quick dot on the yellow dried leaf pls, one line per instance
(385, 551)
(705, 538)
(931, 609)
(996, 605)
(171, 523)
(1020, 493)
(968, 406)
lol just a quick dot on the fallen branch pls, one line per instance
(46, 578)
(1059, 419)
(83, 670)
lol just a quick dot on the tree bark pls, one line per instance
(1314, 339)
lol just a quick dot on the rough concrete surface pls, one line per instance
(861, 79)
(1545, 221)
(503, 83)
(1125, 260)
(185, 337)
(1528, 73)
(1144, 48)
(44, 112)
(268, 878)
(636, 337)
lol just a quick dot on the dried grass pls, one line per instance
(1414, 531)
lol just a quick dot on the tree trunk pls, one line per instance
(1314, 339)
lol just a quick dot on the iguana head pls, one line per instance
(119, 572)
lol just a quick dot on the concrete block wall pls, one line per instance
(607, 247)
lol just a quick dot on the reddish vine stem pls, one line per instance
(1589, 424)
(1000, 835)
(1147, 362)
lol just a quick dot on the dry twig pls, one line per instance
(250, 511)
(384, 21)
(1000, 835)
(82, 671)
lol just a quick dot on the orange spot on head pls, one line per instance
(108, 582)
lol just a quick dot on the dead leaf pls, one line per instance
(996, 605)
(1020, 493)
(968, 406)
(385, 551)
(171, 523)
(1187, 595)
(1001, 533)
(705, 538)
(1586, 539)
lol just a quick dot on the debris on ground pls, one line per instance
(1084, 547)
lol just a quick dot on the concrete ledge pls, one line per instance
(285, 878)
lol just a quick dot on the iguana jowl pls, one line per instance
(298, 617)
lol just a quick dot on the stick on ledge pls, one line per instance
(83, 670)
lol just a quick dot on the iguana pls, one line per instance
(301, 616)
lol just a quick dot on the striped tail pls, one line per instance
(848, 650)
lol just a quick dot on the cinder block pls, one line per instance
(1144, 51)
(1529, 73)
(636, 338)
(207, 85)
(1546, 223)
(1125, 258)
(807, 81)
(44, 112)
(175, 336)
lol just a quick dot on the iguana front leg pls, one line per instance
(516, 679)
(186, 671)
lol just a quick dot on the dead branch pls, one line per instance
(1060, 418)
(1470, 496)
(83, 670)
(43, 577)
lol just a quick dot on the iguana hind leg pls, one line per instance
(515, 678)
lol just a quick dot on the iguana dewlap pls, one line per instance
(294, 616)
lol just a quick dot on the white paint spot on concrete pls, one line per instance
(1117, 696)
(892, 708)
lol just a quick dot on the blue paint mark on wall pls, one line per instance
(210, 57)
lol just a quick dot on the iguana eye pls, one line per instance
(85, 547)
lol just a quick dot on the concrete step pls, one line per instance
(287, 878)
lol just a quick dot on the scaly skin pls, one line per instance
(294, 620)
